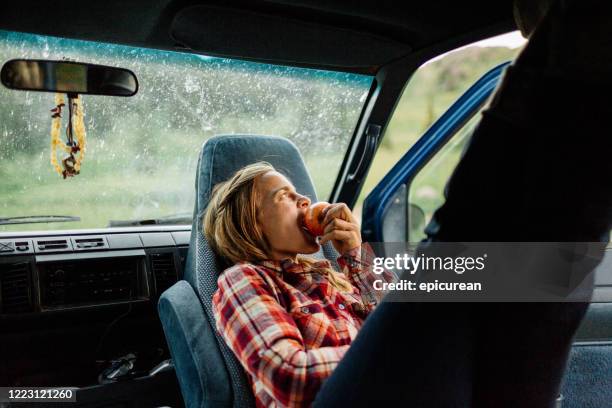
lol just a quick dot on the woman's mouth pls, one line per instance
(308, 235)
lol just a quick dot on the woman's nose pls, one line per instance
(303, 202)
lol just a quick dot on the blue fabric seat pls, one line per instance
(209, 375)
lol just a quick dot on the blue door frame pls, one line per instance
(377, 202)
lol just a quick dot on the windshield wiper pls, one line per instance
(32, 219)
(174, 219)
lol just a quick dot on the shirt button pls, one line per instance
(341, 306)
(305, 310)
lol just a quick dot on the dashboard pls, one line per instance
(43, 272)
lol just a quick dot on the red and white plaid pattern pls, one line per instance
(288, 326)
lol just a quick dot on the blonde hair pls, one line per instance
(231, 228)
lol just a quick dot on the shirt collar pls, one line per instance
(289, 266)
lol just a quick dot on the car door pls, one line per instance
(402, 203)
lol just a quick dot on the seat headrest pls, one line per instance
(221, 156)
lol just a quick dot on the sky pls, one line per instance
(510, 40)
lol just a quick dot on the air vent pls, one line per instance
(89, 242)
(164, 270)
(53, 244)
(15, 288)
(23, 246)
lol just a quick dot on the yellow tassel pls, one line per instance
(55, 131)
(79, 131)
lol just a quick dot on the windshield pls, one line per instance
(142, 151)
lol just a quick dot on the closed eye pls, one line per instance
(281, 194)
(285, 192)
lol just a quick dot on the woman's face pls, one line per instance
(280, 215)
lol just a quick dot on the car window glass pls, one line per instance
(142, 151)
(426, 191)
(429, 93)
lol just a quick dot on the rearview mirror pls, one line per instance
(68, 77)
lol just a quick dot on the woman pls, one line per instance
(287, 317)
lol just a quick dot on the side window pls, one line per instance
(430, 92)
(426, 192)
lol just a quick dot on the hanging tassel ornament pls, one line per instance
(79, 129)
(56, 124)
(71, 164)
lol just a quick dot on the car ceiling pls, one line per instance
(356, 36)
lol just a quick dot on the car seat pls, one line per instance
(208, 372)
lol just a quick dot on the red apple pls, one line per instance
(313, 220)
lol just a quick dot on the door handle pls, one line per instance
(372, 135)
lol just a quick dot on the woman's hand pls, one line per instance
(341, 228)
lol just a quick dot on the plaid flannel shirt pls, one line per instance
(288, 326)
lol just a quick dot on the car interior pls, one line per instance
(120, 309)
